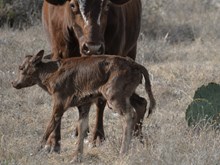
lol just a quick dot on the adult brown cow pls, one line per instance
(86, 27)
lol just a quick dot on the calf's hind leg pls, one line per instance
(99, 133)
(140, 105)
(128, 114)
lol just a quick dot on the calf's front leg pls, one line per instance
(52, 136)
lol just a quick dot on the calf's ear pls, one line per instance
(38, 57)
(119, 2)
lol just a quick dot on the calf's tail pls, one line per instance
(148, 88)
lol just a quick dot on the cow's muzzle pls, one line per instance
(92, 48)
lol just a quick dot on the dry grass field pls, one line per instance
(179, 45)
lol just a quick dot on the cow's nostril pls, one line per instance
(86, 49)
(101, 49)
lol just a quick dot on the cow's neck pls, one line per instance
(46, 71)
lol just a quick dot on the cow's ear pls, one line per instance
(38, 57)
(56, 2)
(119, 2)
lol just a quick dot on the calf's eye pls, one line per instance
(21, 67)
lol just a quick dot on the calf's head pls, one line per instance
(28, 71)
(87, 19)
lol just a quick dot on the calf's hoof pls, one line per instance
(55, 149)
(50, 149)
(47, 148)
(77, 158)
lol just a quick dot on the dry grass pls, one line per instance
(177, 70)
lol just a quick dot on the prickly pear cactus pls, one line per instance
(205, 107)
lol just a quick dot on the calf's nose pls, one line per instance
(15, 84)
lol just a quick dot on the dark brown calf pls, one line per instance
(81, 81)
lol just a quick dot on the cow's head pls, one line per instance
(28, 72)
(88, 19)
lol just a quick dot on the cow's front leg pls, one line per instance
(52, 135)
(99, 133)
(82, 128)
(80, 111)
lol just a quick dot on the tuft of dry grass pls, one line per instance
(177, 69)
(20, 13)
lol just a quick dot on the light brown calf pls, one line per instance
(81, 81)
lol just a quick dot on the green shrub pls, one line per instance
(205, 107)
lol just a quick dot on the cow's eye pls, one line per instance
(72, 5)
